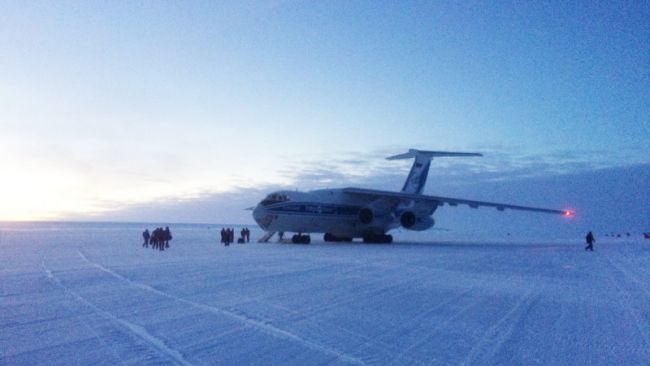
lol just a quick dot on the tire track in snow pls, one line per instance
(625, 300)
(268, 328)
(494, 338)
(337, 303)
(417, 321)
(403, 354)
(133, 328)
(103, 342)
(631, 276)
(100, 339)
(367, 340)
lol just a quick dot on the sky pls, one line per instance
(123, 110)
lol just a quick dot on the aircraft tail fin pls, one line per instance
(417, 177)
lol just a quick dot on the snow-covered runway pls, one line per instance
(90, 294)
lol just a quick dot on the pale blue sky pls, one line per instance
(108, 104)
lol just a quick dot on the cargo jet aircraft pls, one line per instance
(347, 213)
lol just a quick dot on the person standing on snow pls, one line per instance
(145, 237)
(167, 236)
(590, 241)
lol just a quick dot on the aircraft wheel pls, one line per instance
(300, 239)
(378, 239)
(329, 237)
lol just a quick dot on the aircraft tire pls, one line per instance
(329, 237)
(378, 239)
(301, 239)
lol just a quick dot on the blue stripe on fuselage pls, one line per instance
(312, 208)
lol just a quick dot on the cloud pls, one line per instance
(502, 176)
(495, 166)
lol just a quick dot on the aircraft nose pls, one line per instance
(258, 214)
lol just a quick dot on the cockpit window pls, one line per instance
(274, 198)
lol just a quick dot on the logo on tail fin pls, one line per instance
(417, 177)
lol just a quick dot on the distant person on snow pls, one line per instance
(158, 234)
(167, 235)
(160, 238)
(226, 236)
(145, 237)
(590, 241)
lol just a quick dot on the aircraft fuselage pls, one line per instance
(319, 211)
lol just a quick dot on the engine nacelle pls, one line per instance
(407, 219)
(374, 217)
(410, 221)
(366, 215)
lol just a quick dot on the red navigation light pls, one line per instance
(568, 213)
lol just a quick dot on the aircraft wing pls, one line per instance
(448, 200)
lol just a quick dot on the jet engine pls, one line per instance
(411, 221)
(366, 215)
(375, 216)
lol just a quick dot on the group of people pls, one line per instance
(159, 238)
(228, 236)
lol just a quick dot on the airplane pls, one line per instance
(346, 213)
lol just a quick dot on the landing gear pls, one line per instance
(300, 239)
(378, 238)
(332, 237)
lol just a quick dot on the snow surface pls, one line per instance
(90, 294)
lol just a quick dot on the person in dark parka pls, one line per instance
(167, 236)
(145, 237)
(590, 241)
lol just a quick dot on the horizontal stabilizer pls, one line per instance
(412, 153)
